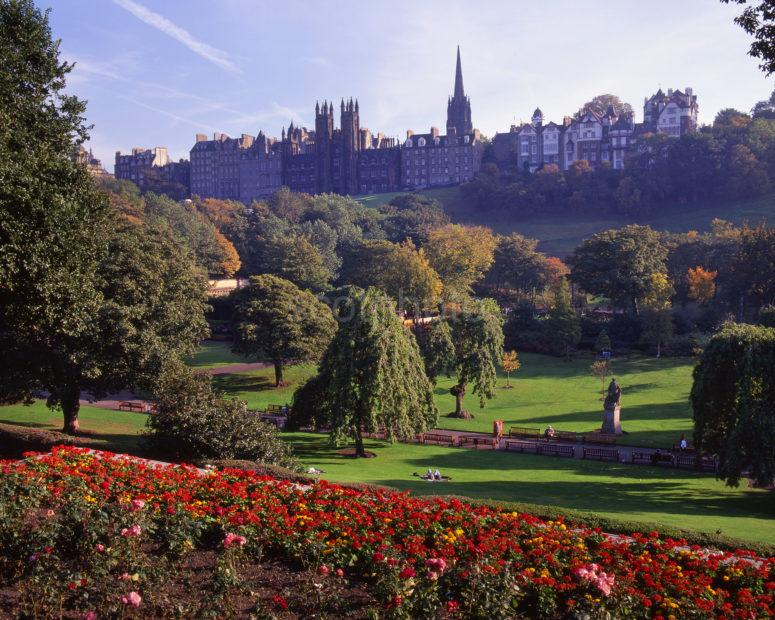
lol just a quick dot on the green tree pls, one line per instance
(733, 399)
(767, 316)
(517, 265)
(412, 216)
(477, 333)
(296, 258)
(87, 301)
(371, 376)
(437, 348)
(619, 264)
(603, 342)
(193, 421)
(276, 320)
(563, 324)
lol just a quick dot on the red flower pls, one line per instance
(407, 573)
(280, 602)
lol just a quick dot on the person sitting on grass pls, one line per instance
(549, 432)
(437, 475)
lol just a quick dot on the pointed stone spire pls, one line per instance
(342, 105)
(458, 92)
(317, 108)
(356, 105)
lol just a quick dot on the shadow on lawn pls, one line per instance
(243, 383)
(610, 497)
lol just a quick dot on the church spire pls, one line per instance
(458, 92)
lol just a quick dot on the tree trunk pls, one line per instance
(70, 407)
(278, 373)
(507, 379)
(461, 392)
(359, 449)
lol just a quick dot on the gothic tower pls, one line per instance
(351, 146)
(459, 106)
(324, 132)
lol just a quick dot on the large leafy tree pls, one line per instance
(402, 271)
(296, 258)
(437, 348)
(461, 255)
(371, 376)
(619, 264)
(477, 334)
(276, 320)
(412, 216)
(148, 308)
(517, 265)
(733, 398)
(657, 315)
(563, 324)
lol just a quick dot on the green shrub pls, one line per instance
(195, 422)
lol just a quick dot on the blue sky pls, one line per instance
(155, 72)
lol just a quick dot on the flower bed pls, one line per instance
(101, 537)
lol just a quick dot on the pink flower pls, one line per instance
(232, 540)
(125, 576)
(592, 574)
(133, 599)
(136, 504)
(323, 570)
(99, 547)
(49, 513)
(436, 564)
(339, 572)
(131, 532)
(89, 615)
(433, 575)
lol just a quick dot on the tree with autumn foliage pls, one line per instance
(702, 284)
(461, 255)
(657, 313)
(510, 363)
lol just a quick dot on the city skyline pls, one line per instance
(155, 74)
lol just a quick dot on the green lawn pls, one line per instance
(116, 431)
(547, 390)
(214, 354)
(668, 497)
(559, 234)
(662, 496)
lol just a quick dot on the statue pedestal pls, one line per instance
(611, 423)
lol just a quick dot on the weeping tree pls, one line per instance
(478, 337)
(370, 377)
(276, 320)
(733, 399)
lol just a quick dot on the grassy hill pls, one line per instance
(559, 234)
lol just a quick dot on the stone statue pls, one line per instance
(611, 422)
(614, 395)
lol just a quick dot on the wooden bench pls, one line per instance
(438, 438)
(601, 454)
(128, 405)
(522, 445)
(569, 436)
(489, 442)
(524, 433)
(599, 438)
(692, 461)
(689, 449)
(652, 458)
(278, 409)
(552, 449)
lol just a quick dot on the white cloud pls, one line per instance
(208, 52)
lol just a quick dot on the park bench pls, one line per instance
(524, 433)
(552, 449)
(522, 445)
(601, 454)
(489, 442)
(692, 461)
(438, 438)
(652, 458)
(599, 438)
(677, 448)
(128, 405)
(278, 409)
(564, 436)
(378, 434)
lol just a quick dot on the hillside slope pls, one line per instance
(560, 233)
